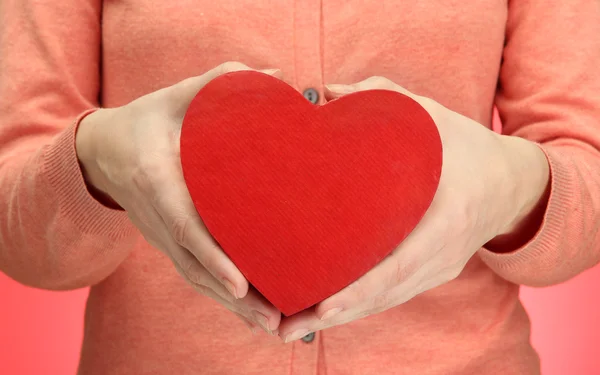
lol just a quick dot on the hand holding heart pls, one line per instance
(131, 154)
(240, 165)
(489, 184)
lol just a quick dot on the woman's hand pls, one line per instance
(489, 185)
(131, 154)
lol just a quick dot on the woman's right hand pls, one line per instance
(131, 154)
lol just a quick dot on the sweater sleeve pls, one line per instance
(53, 234)
(549, 93)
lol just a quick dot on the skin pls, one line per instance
(465, 214)
(130, 155)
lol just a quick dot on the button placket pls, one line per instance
(308, 75)
(308, 80)
(306, 355)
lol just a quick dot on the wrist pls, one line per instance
(88, 154)
(527, 191)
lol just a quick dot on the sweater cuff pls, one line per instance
(542, 247)
(61, 168)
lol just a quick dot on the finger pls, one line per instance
(157, 235)
(183, 92)
(404, 262)
(295, 327)
(253, 311)
(379, 83)
(273, 72)
(257, 306)
(261, 310)
(252, 325)
(195, 274)
(383, 277)
(253, 306)
(174, 205)
(418, 252)
(186, 264)
(299, 325)
(148, 233)
(334, 91)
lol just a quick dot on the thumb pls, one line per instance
(273, 72)
(184, 91)
(334, 91)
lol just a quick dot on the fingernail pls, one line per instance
(229, 285)
(262, 320)
(330, 313)
(340, 89)
(296, 335)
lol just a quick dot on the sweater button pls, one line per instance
(309, 338)
(311, 95)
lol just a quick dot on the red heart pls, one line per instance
(305, 199)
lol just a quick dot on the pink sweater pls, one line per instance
(537, 61)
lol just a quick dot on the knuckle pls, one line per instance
(192, 273)
(403, 269)
(147, 176)
(452, 226)
(357, 292)
(210, 261)
(204, 290)
(400, 272)
(141, 180)
(445, 226)
(460, 224)
(381, 302)
(179, 229)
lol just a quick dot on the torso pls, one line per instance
(144, 319)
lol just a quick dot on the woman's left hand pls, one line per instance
(488, 186)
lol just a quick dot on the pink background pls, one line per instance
(41, 331)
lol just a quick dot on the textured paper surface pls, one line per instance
(306, 199)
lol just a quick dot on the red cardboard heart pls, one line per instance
(305, 199)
